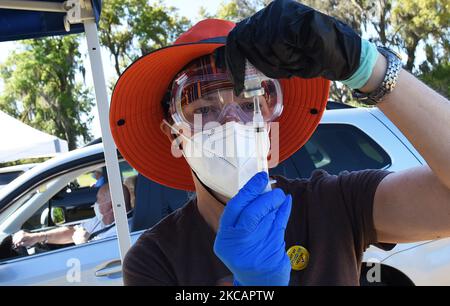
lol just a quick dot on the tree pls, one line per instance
(416, 21)
(40, 88)
(236, 10)
(438, 78)
(113, 35)
(132, 28)
(404, 24)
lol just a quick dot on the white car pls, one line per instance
(60, 192)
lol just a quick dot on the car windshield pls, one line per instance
(28, 198)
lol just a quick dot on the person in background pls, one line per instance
(130, 182)
(99, 227)
(99, 176)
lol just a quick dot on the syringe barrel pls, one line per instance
(252, 81)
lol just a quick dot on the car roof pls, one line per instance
(50, 168)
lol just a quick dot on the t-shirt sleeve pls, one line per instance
(349, 197)
(145, 265)
(358, 192)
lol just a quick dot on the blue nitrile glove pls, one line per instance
(250, 239)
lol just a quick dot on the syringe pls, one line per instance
(253, 88)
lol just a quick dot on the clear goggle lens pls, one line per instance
(209, 100)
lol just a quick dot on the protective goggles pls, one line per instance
(207, 100)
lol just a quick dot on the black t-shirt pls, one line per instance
(331, 217)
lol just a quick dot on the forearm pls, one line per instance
(61, 235)
(421, 114)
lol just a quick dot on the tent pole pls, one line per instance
(112, 164)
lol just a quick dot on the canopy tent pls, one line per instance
(50, 20)
(26, 142)
(20, 19)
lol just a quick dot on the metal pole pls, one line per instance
(112, 164)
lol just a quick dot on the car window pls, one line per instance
(6, 178)
(66, 201)
(339, 147)
(126, 170)
(75, 201)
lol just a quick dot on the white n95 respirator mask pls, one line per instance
(98, 214)
(224, 158)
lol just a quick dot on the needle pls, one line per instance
(254, 89)
(258, 123)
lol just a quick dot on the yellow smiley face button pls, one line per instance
(299, 257)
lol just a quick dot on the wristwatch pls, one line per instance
(394, 65)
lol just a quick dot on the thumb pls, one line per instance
(251, 190)
(235, 62)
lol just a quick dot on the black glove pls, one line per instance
(290, 39)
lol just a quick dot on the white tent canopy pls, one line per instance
(19, 141)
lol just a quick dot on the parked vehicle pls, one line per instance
(346, 139)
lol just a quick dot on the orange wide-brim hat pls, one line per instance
(136, 111)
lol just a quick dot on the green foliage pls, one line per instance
(86, 180)
(132, 28)
(438, 78)
(404, 24)
(41, 88)
(416, 21)
(236, 10)
(58, 215)
(352, 13)
(25, 161)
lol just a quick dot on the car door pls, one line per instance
(92, 263)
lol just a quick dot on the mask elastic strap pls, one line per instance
(176, 132)
(208, 189)
(187, 138)
(172, 128)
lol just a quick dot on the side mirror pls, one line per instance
(58, 215)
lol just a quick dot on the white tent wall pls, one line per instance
(19, 141)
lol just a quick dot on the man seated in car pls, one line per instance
(99, 227)
(99, 176)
